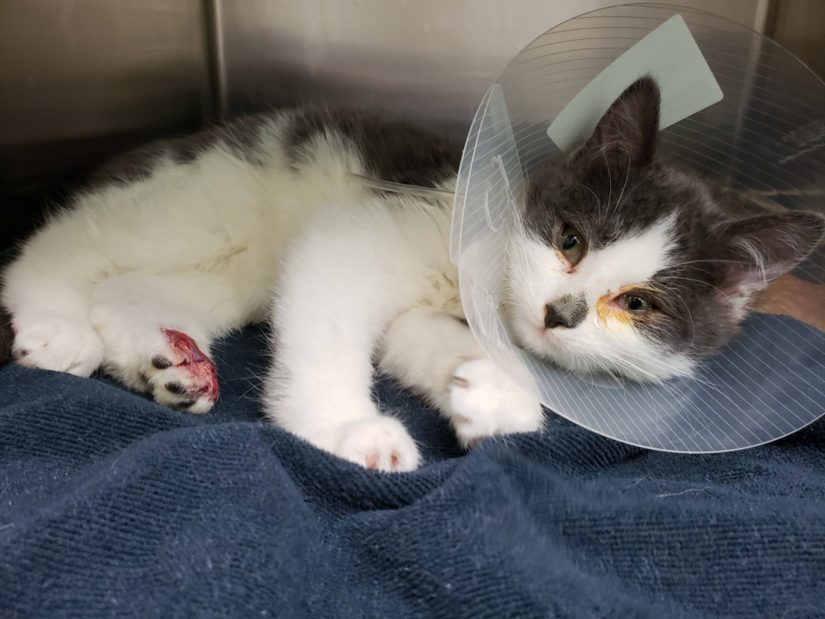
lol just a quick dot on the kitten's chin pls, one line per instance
(539, 343)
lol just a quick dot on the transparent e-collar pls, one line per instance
(764, 139)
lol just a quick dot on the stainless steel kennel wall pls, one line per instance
(81, 79)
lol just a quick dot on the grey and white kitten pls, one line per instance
(625, 264)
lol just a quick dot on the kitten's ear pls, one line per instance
(627, 131)
(762, 248)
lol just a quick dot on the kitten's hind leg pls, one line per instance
(156, 332)
(436, 355)
(51, 340)
(49, 317)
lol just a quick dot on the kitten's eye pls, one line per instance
(572, 245)
(634, 303)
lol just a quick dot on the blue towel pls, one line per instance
(111, 505)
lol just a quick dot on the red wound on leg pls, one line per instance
(192, 358)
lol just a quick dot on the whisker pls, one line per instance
(596, 197)
(621, 194)
(609, 178)
(697, 281)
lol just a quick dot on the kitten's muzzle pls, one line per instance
(568, 311)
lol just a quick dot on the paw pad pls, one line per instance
(182, 377)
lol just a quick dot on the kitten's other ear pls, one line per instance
(627, 130)
(762, 248)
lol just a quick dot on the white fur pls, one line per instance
(538, 276)
(433, 353)
(201, 247)
(485, 402)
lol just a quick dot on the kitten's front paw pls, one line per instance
(380, 443)
(57, 343)
(485, 402)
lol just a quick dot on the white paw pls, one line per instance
(166, 363)
(485, 402)
(380, 443)
(56, 343)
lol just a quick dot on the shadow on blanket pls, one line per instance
(111, 504)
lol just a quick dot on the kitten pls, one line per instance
(624, 264)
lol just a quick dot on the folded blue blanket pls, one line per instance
(113, 505)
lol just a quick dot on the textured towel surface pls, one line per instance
(113, 506)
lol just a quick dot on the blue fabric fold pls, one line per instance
(111, 505)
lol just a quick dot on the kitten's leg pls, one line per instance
(156, 332)
(47, 292)
(343, 281)
(436, 355)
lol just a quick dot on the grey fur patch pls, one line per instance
(391, 150)
(240, 136)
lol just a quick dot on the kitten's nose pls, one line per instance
(554, 318)
(566, 312)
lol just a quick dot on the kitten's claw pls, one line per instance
(56, 343)
(460, 381)
(378, 443)
(485, 402)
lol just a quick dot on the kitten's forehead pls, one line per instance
(608, 208)
(631, 259)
